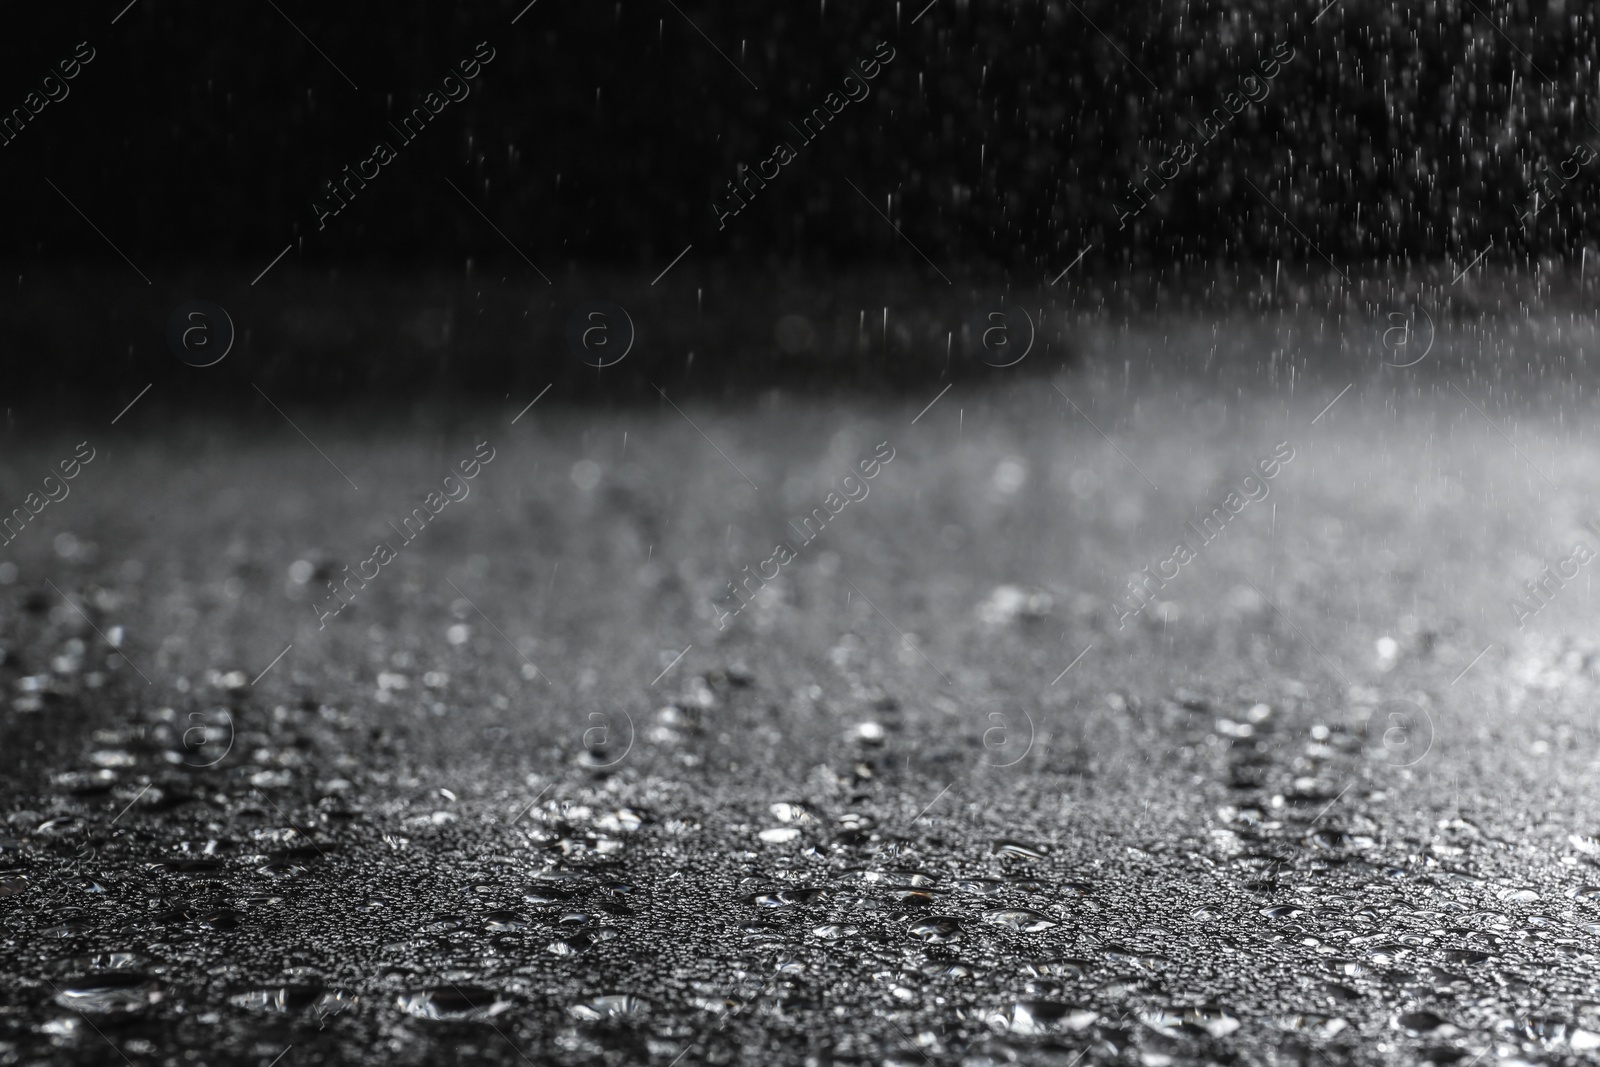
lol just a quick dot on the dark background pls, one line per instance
(1001, 140)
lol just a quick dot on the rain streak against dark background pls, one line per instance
(1002, 139)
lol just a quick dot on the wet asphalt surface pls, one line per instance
(923, 800)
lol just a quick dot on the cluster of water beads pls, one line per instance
(613, 916)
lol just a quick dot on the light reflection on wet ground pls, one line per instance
(1320, 794)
